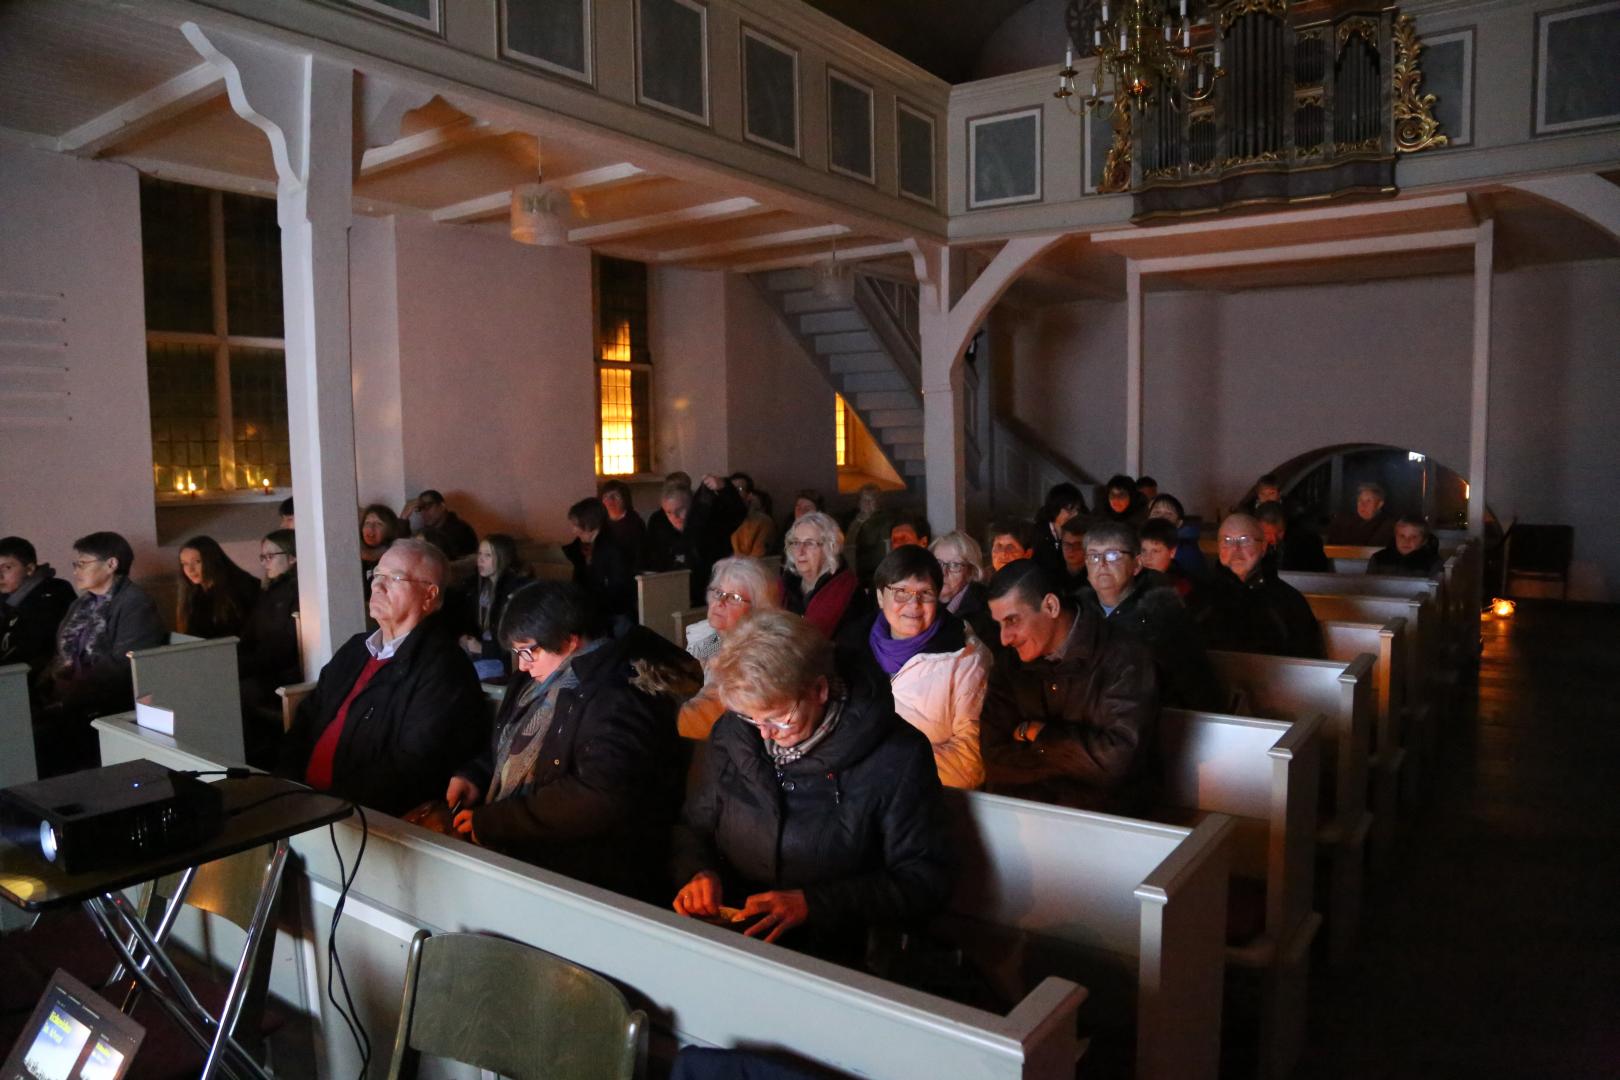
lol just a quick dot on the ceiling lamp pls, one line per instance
(1141, 48)
(832, 280)
(541, 214)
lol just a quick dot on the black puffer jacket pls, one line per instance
(1151, 612)
(858, 823)
(1261, 615)
(28, 622)
(1098, 706)
(607, 786)
(421, 714)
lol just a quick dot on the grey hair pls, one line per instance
(832, 543)
(750, 577)
(972, 553)
(1116, 534)
(429, 555)
(675, 493)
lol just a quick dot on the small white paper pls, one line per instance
(148, 715)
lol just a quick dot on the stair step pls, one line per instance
(853, 341)
(884, 400)
(884, 419)
(803, 300)
(903, 440)
(912, 468)
(857, 382)
(783, 280)
(840, 321)
(849, 363)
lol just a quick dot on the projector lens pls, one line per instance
(47, 840)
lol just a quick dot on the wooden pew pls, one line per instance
(1386, 644)
(1137, 907)
(659, 597)
(1265, 775)
(700, 984)
(1289, 688)
(682, 619)
(198, 681)
(1419, 719)
(16, 727)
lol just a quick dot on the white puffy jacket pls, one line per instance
(940, 694)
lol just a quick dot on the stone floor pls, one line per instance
(1491, 947)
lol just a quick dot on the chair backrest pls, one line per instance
(515, 1010)
(1545, 549)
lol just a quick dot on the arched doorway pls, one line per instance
(1322, 482)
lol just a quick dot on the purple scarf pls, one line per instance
(891, 652)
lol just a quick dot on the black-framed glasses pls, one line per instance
(80, 564)
(525, 655)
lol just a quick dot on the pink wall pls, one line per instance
(73, 227)
(688, 330)
(379, 447)
(1235, 384)
(497, 387)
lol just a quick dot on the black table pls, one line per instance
(259, 811)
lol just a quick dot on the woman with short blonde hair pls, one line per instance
(963, 593)
(738, 588)
(814, 584)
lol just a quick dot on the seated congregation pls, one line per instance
(786, 772)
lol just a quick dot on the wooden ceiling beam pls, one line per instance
(142, 112)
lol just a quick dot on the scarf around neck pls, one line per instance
(891, 652)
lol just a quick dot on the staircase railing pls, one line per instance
(887, 323)
(900, 299)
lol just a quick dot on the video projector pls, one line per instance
(110, 816)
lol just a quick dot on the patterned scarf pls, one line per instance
(83, 632)
(517, 746)
(782, 756)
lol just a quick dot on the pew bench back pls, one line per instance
(198, 680)
(16, 727)
(659, 597)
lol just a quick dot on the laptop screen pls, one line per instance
(74, 1034)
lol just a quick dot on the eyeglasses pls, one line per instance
(720, 596)
(765, 723)
(1008, 549)
(380, 580)
(804, 543)
(954, 567)
(904, 597)
(1242, 541)
(1111, 556)
(266, 560)
(525, 655)
(80, 564)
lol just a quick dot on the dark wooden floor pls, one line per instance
(1491, 947)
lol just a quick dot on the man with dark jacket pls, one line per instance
(601, 567)
(32, 602)
(394, 711)
(440, 524)
(1413, 553)
(1244, 609)
(1370, 525)
(1143, 605)
(584, 774)
(1072, 719)
(818, 812)
(1292, 546)
(89, 673)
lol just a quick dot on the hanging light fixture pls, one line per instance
(541, 213)
(1141, 46)
(831, 279)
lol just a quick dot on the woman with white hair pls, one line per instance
(963, 593)
(814, 584)
(738, 587)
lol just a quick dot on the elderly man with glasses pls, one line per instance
(395, 710)
(1245, 609)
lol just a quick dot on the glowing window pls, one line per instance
(840, 429)
(624, 369)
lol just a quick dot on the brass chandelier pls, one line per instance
(1142, 47)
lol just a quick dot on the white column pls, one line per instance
(944, 449)
(1133, 367)
(305, 106)
(1479, 415)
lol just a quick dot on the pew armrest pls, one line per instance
(291, 697)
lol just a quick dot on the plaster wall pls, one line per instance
(73, 227)
(379, 447)
(497, 388)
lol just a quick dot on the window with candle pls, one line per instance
(216, 371)
(623, 369)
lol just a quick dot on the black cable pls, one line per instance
(351, 1015)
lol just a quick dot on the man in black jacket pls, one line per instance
(583, 775)
(447, 531)
(34, 601)
(1244, 609)
(394, 711)
(1413, 553)
(1072, 719)
(1293, 545)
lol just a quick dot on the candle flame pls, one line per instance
(1502, 608)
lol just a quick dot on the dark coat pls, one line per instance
(607, 788)
(630, 533)
(1300, 549)
(464, 608)
(420, 716)
(1152, 613)
(107, 685)
(1099, 708)
(1261, 615)
(208, 618)
(455, 537)
(857, 606)
(714, 516)
(1424, 562)
(665, 549)
(975, 611)
(858, 823)
(269, 652)
(609, 576)
(28, 628)
(1350, 529)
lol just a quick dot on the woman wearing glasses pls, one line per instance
(816, 811)
(814, 583)
(937, 668)
(738, 587)
(269, 653)
(963, 592)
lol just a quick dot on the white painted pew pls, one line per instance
(1386, 765)
(1265, 775)
(1442, 635)
(683, 619)
(1289, 688)
(198, 681)
(16, 727)
(702, 984)
(1140, 907)
(659, 597)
